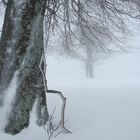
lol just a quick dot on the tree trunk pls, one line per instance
(21, 48)
(89, 63)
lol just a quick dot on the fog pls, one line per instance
(124, 65)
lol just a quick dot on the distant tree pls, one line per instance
(97, 25)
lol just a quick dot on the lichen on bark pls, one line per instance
(26, 49)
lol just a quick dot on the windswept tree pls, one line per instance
(22, 57)
(91, 27)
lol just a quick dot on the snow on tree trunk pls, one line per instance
(21, 48)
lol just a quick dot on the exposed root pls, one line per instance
(53, 130)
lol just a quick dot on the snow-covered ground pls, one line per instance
(96, 109)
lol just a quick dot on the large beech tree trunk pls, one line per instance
(21, 48)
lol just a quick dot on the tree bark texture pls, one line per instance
(21, 48)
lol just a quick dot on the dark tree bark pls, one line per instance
(21, 48)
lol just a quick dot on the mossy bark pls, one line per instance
(21, 48)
